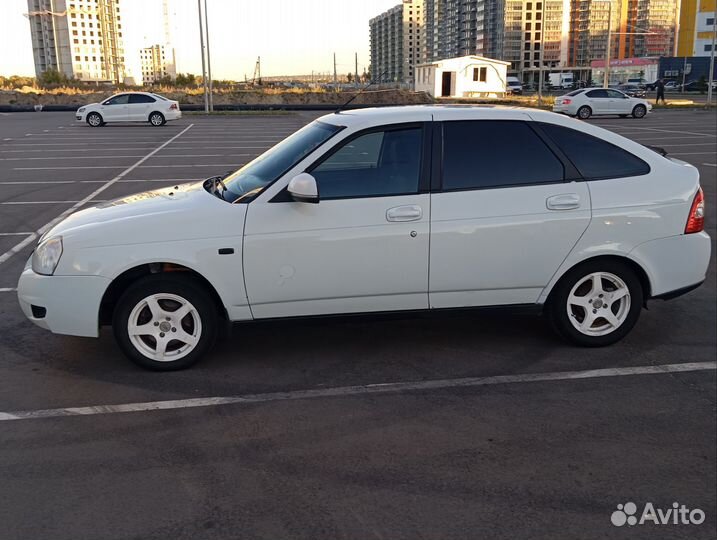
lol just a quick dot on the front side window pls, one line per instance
(594, 158)
(379, 163)
(479, 154)
(122, 99)
(615, 94)
(275, 162)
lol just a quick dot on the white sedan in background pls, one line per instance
(130, 107)
(586, 226)
(588, 102)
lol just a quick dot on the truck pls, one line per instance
(561, 80)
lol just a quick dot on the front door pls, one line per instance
(500, 226)
(115, 109)
(363, 247)
(619, 102)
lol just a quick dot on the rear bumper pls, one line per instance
(62, 304)
(173, 115)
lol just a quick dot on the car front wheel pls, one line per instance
(95, 120)
(639, 111)
(597, 303)
(165, 323)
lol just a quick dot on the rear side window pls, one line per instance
(140, 98)
(481, 154)
(594, 158)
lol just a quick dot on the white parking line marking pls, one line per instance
(676, 131)
(120, 166)
(41, 182)
(22, 245)
(47, 202)
(7, 289)
(710, 164)
(691, 153)
(109, 157)
(342, 391)
(14, 233)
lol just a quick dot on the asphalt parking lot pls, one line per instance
(493, 428)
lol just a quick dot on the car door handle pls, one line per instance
(409, 212)
(567, 201)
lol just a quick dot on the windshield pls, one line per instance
(262, 171)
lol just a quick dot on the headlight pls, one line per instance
(46, 256)
(81, 109)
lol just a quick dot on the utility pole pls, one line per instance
(204, 68)
(606, 80)
(711, 80)
(356, 79)
(540, 66)
(209, 59)
(335, 77)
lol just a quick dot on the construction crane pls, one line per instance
(257, 72)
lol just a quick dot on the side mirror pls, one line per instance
(303, 188)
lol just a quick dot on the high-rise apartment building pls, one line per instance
(157, 63)
(398, 42)
(80, 38)
(638, 28)
(697, 21)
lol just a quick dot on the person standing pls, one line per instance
(660, 87)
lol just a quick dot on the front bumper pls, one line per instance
(62, 304)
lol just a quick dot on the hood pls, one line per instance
(165, 214)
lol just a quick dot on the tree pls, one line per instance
(349, 77)
(185, 79)
(52, 76)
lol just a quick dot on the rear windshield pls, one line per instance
(160, 97)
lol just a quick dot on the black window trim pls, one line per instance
(596, 178)
(424, 167)
(570, 172)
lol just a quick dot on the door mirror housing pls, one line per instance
(303, 188)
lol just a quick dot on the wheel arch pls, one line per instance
(149, 116)
(123, 280)
(640, 272)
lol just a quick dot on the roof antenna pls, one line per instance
(357, 94)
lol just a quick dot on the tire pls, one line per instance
(95, 120)
(639, 111)
(148, 305)
(576, 296)
(157, 119)
(584, 112)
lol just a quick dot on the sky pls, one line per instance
(293, 37)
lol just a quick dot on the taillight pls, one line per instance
(696, 219)
(567, 101)
(173, 106)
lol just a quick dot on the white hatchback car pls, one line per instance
(130, 107)
(377, 210)
(588, 102)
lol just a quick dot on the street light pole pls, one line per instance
(204, 68)
(209, 59)
(712, 62)
(540, 65)
(606, 80)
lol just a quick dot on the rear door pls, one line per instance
(505, 213)
(115, 109)
(599, 101)
(140, 105)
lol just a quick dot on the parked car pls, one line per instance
(130, 107)
(672, 86)
(632, 90)
(600, 101)
(637, 81)
(514, 86)
(519, 207)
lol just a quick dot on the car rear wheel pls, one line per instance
(157, 119)
(597, 303)
(165, 323)
(95, 119)
(584, 112)
(639, 111)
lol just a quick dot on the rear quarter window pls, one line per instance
(595, 158)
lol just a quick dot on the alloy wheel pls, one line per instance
(598, 304)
